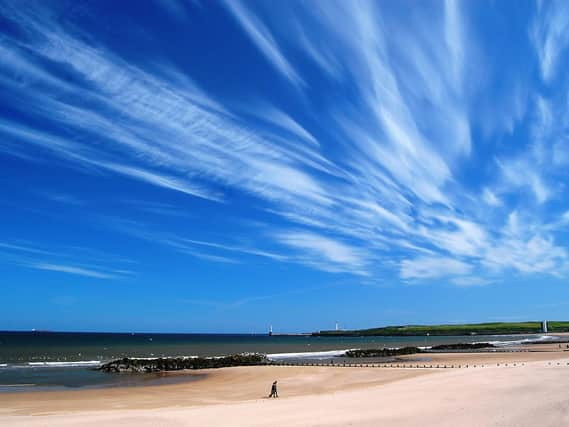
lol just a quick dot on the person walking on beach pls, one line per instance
(274, 392)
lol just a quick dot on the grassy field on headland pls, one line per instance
(496, 328)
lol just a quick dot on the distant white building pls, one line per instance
(544, 326)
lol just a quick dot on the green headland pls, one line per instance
(495, 328)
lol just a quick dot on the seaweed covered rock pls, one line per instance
(179, 363)
(462, 346)
(383, 352)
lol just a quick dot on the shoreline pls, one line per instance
(537, 343)
(561, 337)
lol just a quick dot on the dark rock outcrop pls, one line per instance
(180, 363)
(383, 352)
(390, 352)
(462, 346)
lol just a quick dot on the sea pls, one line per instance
(65, 360)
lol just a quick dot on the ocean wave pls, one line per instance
(312, 355)
(163, 357)
(542, 338)
(61, 364)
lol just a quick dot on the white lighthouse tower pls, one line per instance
(337, 326)
(270, 330)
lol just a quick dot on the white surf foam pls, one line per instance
(314, 355)
(63, 364)
(541, 338)
(160, 357)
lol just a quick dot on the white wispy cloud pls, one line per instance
(433, 268)
(210, 257)
(70, 269)
(158, 208)
(457, 236)
(454, 39)
(23, 248)
(261, 36)
(551, 35)
(519, 173)
(279, 118)
(388, 126)
(211, 251)
(163, 128)
(490, 198)
(538, 254)
(382, 185)
(324, 252)
(69, 260)
(241, 249)
(161, 180)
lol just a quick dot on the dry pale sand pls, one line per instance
(533, 394)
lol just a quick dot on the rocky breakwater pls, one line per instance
(134, 365)
(382, 352)
(391, 352)
(462, 346)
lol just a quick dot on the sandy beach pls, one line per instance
(530, 391)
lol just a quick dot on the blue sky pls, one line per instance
(220, 166)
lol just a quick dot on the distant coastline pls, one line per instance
(494, 328)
